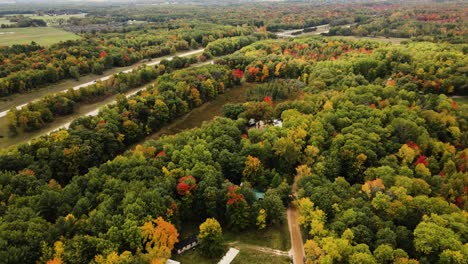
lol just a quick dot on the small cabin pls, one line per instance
(259, 195)
(186, 244)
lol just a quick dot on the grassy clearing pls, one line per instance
(206, 112)
(249, 243)
(251, 256)
(246, 255)
(42, 35)
(276, 237)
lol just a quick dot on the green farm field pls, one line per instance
(42, 35)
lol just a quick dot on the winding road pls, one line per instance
(184, 54)
(320, 29)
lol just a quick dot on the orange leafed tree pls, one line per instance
(371, 187)
(55, 261)
(159, 237)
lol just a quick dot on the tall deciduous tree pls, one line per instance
(159, 237)
(211, 238)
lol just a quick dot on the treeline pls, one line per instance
(22, 72)
(37, 114)
(229, 45)
(24, 21)
(92, 140)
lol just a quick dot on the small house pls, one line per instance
(186, 244)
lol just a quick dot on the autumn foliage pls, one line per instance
(422, 160)
(186, 185)
(103, 54)
(372, 187)
(159, 237)
(234, 195)
(237, 74)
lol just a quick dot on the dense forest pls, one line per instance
(370, 136)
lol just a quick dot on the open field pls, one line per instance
(266, 246)
(41, 35)
(276, 237)
(246, 255)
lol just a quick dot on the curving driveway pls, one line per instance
(297, 246)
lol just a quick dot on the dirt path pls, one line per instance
(297, 246)
(267, 250)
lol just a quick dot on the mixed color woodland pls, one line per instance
(371, 134)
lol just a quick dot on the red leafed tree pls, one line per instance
(234, 196)
(162, 153)
(267, 99)
(422, 159)
(103, 54)
(412, 145)
(237, 74)
(186, 185)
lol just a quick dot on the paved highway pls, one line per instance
(185, 54)
(95, 111)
